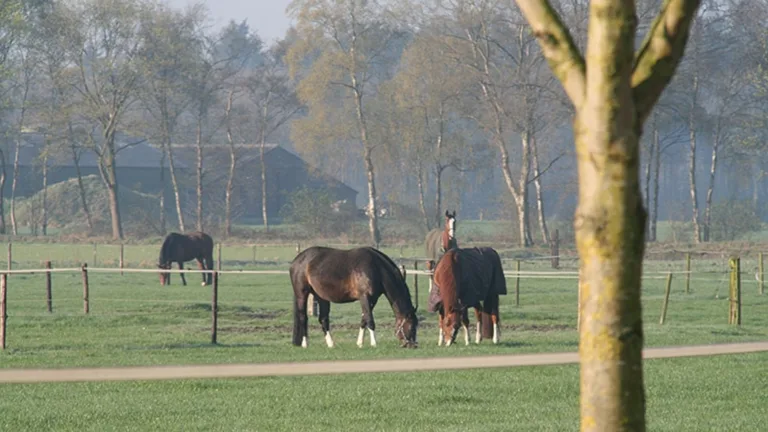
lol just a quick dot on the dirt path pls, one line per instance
(344, 366)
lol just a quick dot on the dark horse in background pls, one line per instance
(180, 248)
(344, 276)
(465, 278)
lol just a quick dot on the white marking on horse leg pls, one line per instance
(360, 337)
(495, 333)
(478, 334)
(373, 338)
(329, 340)
(466, 335)
(304, 342)
(440, 337)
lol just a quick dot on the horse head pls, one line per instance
(451, 322)
(450, 229)
(405, 329)
(165, 277)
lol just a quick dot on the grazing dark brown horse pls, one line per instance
(344, 276)
(180, 248)
(438, 241)
(465, 278)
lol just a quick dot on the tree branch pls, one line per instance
(557, 46)
(661, 52)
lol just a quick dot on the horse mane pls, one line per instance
(403, 305)
(165, 249)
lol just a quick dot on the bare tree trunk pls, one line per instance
(199, 141)
(522, 198)
(373, 217)
(80, 185)
(263, 163)
(232, 166)
(656, 175)
(438, 194)
(422, 201)
(108, 170)
(175, 184)
(711, 185)
(161, 197)
(44, 222)
(692, 137)
(14, 182)
(539, 194)
(2, 192)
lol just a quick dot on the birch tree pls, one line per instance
(346, 44)
(613, 92)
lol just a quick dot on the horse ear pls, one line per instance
(447, 214)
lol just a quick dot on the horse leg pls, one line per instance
(200, 266)
(440, 325)
(300, 317)
(183, 280)
(367, 304)
(479, 318)
(325, 321)
(494, 312)
(465, 324)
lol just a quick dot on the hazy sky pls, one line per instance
(266, 17)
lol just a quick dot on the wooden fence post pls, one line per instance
(48, 293)
(666, 299)
(215, 307)
(122, 258)
(10, 256)
(416, 281)
(761, 274)
(734, 297)
(298, 247)
(95, 256)
(555, 251)
(311, 305)
(688, 273)
(86, 306)
(517, 283)
(254, 253)
(218, 257)
(3, 307)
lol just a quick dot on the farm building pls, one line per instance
(138, 165)
(286, 173)
(139, 169)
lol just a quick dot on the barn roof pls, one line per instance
(132, 152)
(218, 155)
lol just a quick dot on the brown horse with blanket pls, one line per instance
(464, 278)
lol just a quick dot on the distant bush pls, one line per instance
(318, 213)
(732, 220)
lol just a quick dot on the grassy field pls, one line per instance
(135, 321)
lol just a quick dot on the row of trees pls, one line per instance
(431, 87)
(82, 72)
(402, 95)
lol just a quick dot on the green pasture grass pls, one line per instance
(135, 321)
(720, 393)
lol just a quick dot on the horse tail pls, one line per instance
(298, 329)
